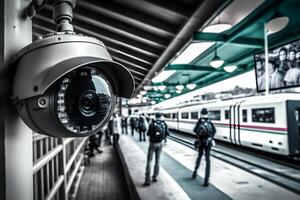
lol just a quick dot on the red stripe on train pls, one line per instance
(257, 127)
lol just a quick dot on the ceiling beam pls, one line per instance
(117, 51)
(185, 67)
(132, 65)
(156, 30)
(216, 37)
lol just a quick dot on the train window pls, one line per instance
(244, 114)
(214, 114)
(297, 114)
(167, 115)
(185, 115)
(194, 115)
(263, 115)
(227, 114)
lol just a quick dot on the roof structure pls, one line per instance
(147, 36)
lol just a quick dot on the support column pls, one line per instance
(16, 180)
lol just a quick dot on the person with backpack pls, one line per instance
(142, 126)
(205, 131)
(156, 132)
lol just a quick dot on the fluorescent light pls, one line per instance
(216, 28)
(191, 52)
(153, 102)
(139, 96)
(216, 62)
(179, 87)
(167, 96)
(161, 87)
(178, 91)
(143, 92)
(230, 68)
(191, 86)
(163, 76)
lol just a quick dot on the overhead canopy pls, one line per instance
(142, 35)
(147, 36)
(235, 46)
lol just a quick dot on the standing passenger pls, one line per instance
(142, 126)
(124, 125)
(132, 124)
(116, 129)
(205, 131)
(157, 130)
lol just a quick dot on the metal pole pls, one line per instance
(266, 58)
(16, 180)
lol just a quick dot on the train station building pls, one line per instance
(119, 99)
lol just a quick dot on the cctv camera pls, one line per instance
(66, 85)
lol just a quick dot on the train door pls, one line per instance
(177, 120)
(234, 123)
(238, 122)
(293, 125)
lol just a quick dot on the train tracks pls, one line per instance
(284, 176)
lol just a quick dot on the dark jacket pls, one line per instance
(201, 137)
(151, 131)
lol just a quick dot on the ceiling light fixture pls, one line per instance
(167, 96)
(230, 68)
(191, 86)
(161, 87)
(143, 92)
(216, 62)
(178, 91)
(216, 28)
(179, 87)
(277, 22)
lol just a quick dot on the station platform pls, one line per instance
(109, 177)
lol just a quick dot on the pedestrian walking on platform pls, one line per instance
(142, 126)
(205, 131)
(156, 132)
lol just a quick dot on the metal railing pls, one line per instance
(57, 167)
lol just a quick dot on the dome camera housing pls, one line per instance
(66, 85)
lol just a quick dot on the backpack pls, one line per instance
(204, 129)
(159, 128)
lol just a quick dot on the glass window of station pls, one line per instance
(263, 115)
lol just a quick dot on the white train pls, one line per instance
(268, 123)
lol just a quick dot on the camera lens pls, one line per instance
(84, 100)
(88, 103)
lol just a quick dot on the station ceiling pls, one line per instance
(146, 35)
